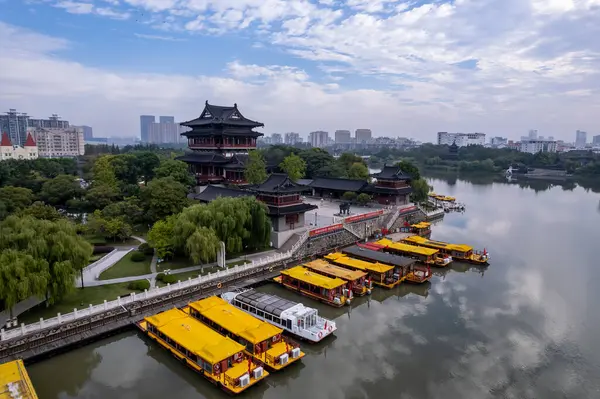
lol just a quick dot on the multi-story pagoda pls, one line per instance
(219, 140)
(286, 209)
(392, 186)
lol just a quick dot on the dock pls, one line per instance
(15, 382)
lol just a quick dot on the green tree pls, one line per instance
(130, 208)
(21, 276)
(320, 163)
(59, 190)
(420, 190)
(163, 197)
(15, 198)
(347, 159)
(202, 245)
(101, 195)
(176, 169)
(55, 242)
(104, 172)
(115, 228)
(147, 162)
(410, 169)
(161, 237)
(294, 166)
(39, 210)
(256, 169)
(363, 198)
(349, 196)
(359, 171)
(126, 168)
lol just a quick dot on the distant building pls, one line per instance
(96, 141)
(276, 139)
(498, 142)
(145, 121)
(53, 122)
(166, 119)
(362, 136)
(533, 134)
(292, 138)
(87, 133)
(461, 139)
(319, 139)
(15, 125)
(580, 139)
(596, 140)
(59, 142)
(343, 137)
(535, 146)
(163, 133)
(10, 151)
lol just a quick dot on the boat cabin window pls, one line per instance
(208, 367)
(276, 320)
(261, 313)
(268, 317)
(289, 324)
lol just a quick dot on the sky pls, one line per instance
(407, 68)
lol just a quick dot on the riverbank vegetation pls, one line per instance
(135, 263)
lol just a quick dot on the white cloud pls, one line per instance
(159, 37)
(74, 7)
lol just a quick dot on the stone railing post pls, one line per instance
(145, 294)
(59, 318)
(41, 323)
(1, 334)
(119, 300)
(91, 307)
(168, 287)
(75, 312)
(105, 305)
(23, 331)
(179, 283)
(133, 297)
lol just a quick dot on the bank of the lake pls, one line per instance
(526, 327)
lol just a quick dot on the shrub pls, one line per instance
(138, 256)
(101, 249)
(146, 249)
(166, 278)
(349, 196)
(139, 285)
(160, 276)
(363, 198)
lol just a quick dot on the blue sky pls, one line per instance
(402, 68)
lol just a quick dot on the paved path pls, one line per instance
(91, 274)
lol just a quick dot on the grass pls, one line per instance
(193, 274)
(79, 298)
(178, 262)
(96, 258)
(126, 267)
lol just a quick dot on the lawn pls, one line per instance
(193, 274)
(79, 298)
(178, 262)
(126, 267)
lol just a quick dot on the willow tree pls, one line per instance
(21, 276)
(55, 242)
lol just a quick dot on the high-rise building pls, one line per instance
(15, 125)
(166, 119)
(276, 138)
(596, 140)
(533, 133)
(163, 133)
(362, 136)
(343, 137)
(87, 132)
(59, 142)
(580, 139)
(535, 146)
(319, 139)
(461, 139)
(145, 121)
(53, 122)
(292, 138)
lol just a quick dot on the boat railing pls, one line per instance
(290, 342)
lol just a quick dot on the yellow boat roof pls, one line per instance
(14, 373)
(195, 336)
(421, 225)
(407, 248)
(437, 244)
(235, 320)
(320, 265)
(345, 260)
(303, 274)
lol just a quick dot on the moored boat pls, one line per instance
(357, 280)
(428, 256)
(219, 359)
(380, 274)
(15, 382)
(407, 267)
(422, 229)
(332, 291)
(461, 252)
(294, 317)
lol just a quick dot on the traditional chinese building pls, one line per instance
(286, 209)
(219, 140)
(392, 186)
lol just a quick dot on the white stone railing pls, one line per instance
(299, 243)
(437, 212)
(393, 219)
(133, 297)
(91, 265)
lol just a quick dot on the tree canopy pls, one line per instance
(294, 166)
(59, 190)
(256, 169)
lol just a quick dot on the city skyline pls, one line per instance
(424, 66)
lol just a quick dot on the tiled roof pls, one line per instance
(202, 157)
(216, 114)
(279, 183)
(378, 256)
(30, 142)
(391, 173)
(371, 188)
(336, 184)
(5, 142)
(211, 193)
(286, 210)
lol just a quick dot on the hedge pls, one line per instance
(166, 278)
(146, 249)
(139, 285)
(138, 256)
(101, 249)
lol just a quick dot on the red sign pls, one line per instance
(325, 230)
(364, 216)
(409, 209)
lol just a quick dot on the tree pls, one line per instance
(15, 198)
(130, 208)
(59, 190)
(176, 169)
(163, 197)
(126, 167)
(363, 198)
(39, 210)
(55, 242)
(294, 166)
(320, 163)
(410, 169)
(256, 169)
(420, 190)
(347, 160)
(114, 228)
(21, 276)
(104, 172)
(160, 237)
(101, 195)
(359, 171)
(202, 245)
(349, 196)
(147, 162)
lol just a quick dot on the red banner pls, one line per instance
(410, 209)
(364, 216)
(324, 230)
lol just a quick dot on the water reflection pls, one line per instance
(524, 327)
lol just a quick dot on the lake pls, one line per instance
(525, 327)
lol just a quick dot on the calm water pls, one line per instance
(526, 327)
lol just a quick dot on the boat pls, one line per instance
(461, 252)
(443, 198)
(219, 359)
(295, 318)
(379, 273)
(428, 256)
(357, 280)
(407, 267)
(332, 291)
(15, 382)
(263, 341)
(422, 229)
